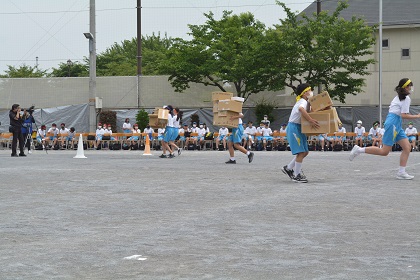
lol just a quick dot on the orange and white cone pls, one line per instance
(147, 147)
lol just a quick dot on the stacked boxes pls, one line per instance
(224, 107)
(159, 118)
(324, 113)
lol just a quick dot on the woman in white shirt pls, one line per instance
(398, 110)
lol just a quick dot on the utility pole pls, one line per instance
(318, 11)
(380, 63)
(139, 70)
(92, 67)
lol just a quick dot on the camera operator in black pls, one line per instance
(15, 127)
(28, 120)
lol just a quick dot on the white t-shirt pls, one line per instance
(223, 131)
(126, 126)
(266, 131)
(108, 131)
(250, 130)
(282, 130)
(400, 107)
(359, 131)
(176, 122)
(410, 131)
(40, 133)
(64, 131)
(148, 130)
(341, 130)
(194, 129)
(295, 115)
(260, 129)
(374, 132)
(170, 121)
(136, 131)
(382, 131)
(53, 130)
(161, 131)
(100, 131)
(181, 130)
(201, 131)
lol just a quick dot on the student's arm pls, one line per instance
(314, 122)
(409, 116)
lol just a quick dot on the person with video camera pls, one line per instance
(28, 120)
(16, 121)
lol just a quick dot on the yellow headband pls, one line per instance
(300, 95)
(406, 83)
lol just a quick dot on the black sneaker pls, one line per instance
(288, 172)
(163, 156)
(15, 155)
(22, 155)
(171, 156)
(250, 157)
(300, 179)
(231, 162)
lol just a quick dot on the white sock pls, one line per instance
(232, 158)
(401, 169)
(361, 150)
(298, 168)
(291, 165)
(247, 153)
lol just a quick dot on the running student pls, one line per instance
(235, 140)
(297, 140)
(394, 133)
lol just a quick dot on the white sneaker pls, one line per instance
(404, 176)
(30, 152)
(354, 152)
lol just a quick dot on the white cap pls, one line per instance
(359, 121)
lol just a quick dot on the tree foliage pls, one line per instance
(77, 69)
(23, 71)
(142, 119)
(320, 49)
(220, 51)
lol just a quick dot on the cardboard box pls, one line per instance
(225, 120)
(230, 105)
(215, 106)
(321, 101)
(155, 122)
(163, 114)
(221, 95)
(323, 120)
(334, 119)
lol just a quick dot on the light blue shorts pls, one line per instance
(236, 135)
(297, 140)
(393, 130)
(99, 137)
(412, 138)
(268, 138)
(134, 138)
(174, 134)
(221, 137)
(53, 137)
(39, 139)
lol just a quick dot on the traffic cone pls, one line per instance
(80, 151)
(147, 147)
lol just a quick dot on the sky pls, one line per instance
(52, 30)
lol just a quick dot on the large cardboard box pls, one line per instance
(230, 105)
(221, 95)
(163, 114)
(321, 101)
(224, 119)
(155, 122)
(334, 119)
(215, 106)
(323, 120)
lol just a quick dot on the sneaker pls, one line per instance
(288, 172)
(300, 179)
(22, 155)
(354, 152)
(231, 161)
(15, 155)
(29, 152)
(404, 176)
(250, 157)
(171, 156)
(179, 151)
(163, 156)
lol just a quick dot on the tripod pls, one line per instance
(29, 134)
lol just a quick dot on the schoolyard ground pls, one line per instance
(122, 215)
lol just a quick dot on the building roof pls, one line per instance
(401, 12)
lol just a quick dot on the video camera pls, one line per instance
(30, 110)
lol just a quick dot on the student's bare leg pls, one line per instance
(239, 147)
(405, 153)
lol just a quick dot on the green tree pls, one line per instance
(77, 69)
(319, 49)
(23, 71)
(142, 118)
(121, 59)
(220, 51)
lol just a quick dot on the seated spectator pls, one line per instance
(161, 131)
(206, 128)
(266, 121)
(53, 131)
(250, 132)
(323, 141)
(64, 133)
(359, 130)
(194, 129)
(267, 135)
(223, 132)
(41, 136)
(187, 134)
(339, 139)
(127, 126)
(109, 131)
(374, 135)
(411, 133)
(259, 131)
(71, 137)
(283, 139)
(201, 134)
(98, 137)
(149, 131)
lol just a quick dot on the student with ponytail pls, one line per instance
(394, 133)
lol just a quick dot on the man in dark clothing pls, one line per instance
(15, 127)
